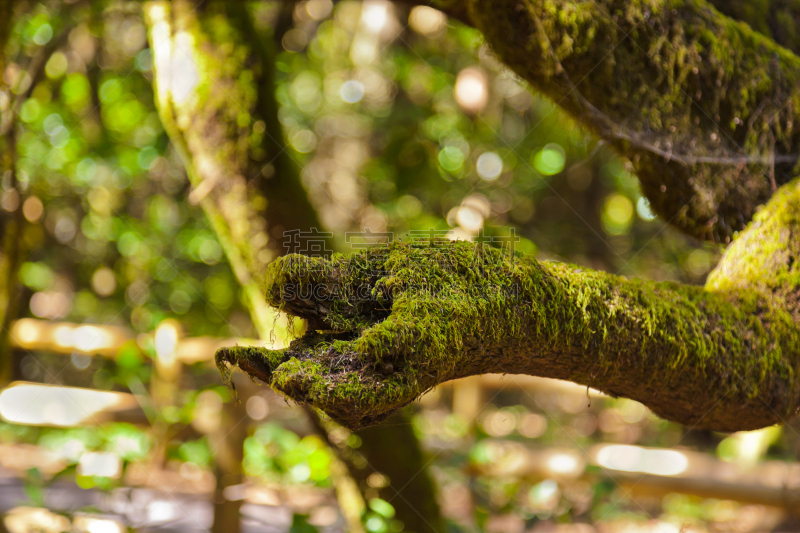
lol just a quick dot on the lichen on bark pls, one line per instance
(391, 322)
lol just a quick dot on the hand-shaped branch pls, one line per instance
(388, 324)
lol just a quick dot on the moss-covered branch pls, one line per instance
(777, 19)
(703, 106)
(397, 320)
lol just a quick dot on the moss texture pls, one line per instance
(766, 257)
(777, 19)
(396, 320)
(703, 106)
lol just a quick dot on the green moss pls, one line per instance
(777, 19)
(460, 309)
(228, 358)
(767, 255)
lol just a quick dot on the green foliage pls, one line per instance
(300, 525)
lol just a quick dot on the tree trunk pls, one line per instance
(226, 127)
(11, 219)
(214, 102)
(392, 451)
(11, 228)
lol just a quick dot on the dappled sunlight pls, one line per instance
(472, 93)
(173, 53)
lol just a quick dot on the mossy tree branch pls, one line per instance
(704, 107)
(397, 320)
(777, 19)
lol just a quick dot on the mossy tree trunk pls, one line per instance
(210, 90)
(225, 125)
(389, 464)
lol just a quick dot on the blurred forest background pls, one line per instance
(113, 416)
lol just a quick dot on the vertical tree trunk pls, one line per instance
(227, 444)
(216, 95)
(11, 220)
(392, 450)
(11, 226)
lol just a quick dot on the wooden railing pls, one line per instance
(703, 475)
